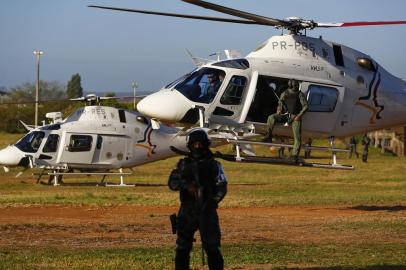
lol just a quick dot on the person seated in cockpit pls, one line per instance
(214, 86)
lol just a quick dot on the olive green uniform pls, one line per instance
(295, 104)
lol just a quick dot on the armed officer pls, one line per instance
(294, 105)
(202, 185)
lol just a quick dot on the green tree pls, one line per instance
(74, 89)
(24, 95)
(3, 90)
(47, 91)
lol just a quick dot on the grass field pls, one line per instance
(274, 217)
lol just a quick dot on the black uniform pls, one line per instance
(202, 185)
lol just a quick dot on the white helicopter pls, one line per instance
(94, 140)
(348, 91)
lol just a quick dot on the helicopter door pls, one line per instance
(324, 107)
(231, 101)
(50, 148)
(113, 149)
(79, 148)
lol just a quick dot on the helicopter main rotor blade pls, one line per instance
(354, 24)
(238, 13)
(206, 18)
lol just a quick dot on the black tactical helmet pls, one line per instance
(198, 135)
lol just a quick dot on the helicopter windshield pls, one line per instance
(31, 142)
(202, 85)
(175, 82)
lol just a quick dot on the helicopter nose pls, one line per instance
(11, 156)
(168, 106)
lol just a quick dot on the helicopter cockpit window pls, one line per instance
(175, 82)
(322, 98)
(31, 142)
(80, 143)
(202, 86)
(235, 63)
(52, 144)
(234, 91)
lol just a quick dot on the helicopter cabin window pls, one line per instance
(31, 142)
(52, 144)
(80, 143)
(234, 91)
(223, 112)
(322, 98)
(121, 115)
(99, 142)
(202, 85)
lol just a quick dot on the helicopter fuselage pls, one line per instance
(94, 138)
(348, 92)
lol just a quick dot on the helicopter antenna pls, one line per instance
(217, 54)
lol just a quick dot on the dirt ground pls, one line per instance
(136, 226)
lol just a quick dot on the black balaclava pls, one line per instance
(198, 144)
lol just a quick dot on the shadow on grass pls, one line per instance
(395, 208)
(248, 184)
(371, 267)
(92, 184)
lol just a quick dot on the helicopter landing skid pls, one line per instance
(57, 176)
(287, 161)
(283, 161)
(121, 174)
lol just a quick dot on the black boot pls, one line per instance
(182, 259)
(215, 259)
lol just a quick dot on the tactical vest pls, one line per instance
(292, 102)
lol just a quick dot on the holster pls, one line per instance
(174, 223)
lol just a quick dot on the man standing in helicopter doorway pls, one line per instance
(292, 106)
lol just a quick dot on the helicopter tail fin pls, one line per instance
(198, 62)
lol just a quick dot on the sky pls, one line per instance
(112, 49)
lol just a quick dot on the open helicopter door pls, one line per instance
(78, 148)
(250, 97)
(324, 107)
(234, 99)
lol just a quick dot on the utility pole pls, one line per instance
(135, 86)
(38, 55)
